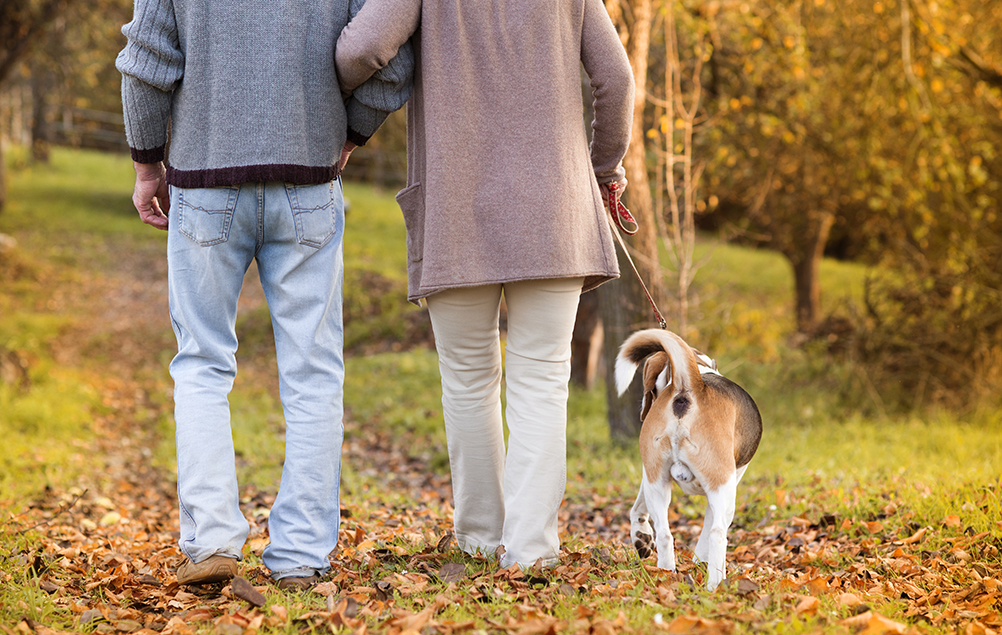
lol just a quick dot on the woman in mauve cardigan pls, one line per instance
(503, 198)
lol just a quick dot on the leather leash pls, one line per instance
(621, 219)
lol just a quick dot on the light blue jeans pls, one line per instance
(295, 233)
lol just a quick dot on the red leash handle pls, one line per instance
(620, 215)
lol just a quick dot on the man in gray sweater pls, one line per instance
(245, 97)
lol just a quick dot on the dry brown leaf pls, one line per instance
(916, 537)
(871, 623)
(695, 624)
(246, 591)
(452, 572)
(176, 626)
(413, 621)
(807, 605)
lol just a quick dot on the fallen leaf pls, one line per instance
(245, 591)
(326, 588)
(746, 586)
(871, 623)
(176, 626)
(48, 587)
(452, 572)
(808, 604)
(444, 541)
(413, 621)
(916, 537)
(694, 624)
(109, 519)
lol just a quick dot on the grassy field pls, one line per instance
(79, 357)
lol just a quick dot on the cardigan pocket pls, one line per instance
(411, 201)
(205, 214)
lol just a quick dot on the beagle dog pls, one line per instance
(699, 430)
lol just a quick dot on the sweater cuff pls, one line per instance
(363, 120)
(357, 138)
(153, 155)
(610, 176)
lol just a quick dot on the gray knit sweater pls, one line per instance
(247, 91)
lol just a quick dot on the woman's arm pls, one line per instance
(607, 65)
(372, 39)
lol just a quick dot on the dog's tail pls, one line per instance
(640, 345)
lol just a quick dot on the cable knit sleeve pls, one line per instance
(608, 66)
(386, 91)
(152, 65)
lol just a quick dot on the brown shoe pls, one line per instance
(212, 569)
(298, 583)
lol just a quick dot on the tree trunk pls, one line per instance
(807, 270)
(41, 138)
(623, 306)
(638, 194)
(586, 342)
(3, 175)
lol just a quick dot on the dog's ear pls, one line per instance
(652, 368)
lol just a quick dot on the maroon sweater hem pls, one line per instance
(298, 174)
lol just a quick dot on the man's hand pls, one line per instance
(345, 153)
(151, 197)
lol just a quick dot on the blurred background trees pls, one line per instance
(865, 130)
(58, 82)
(858, 129)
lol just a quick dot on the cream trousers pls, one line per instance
(507, 498)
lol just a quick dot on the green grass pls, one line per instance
(79, 194)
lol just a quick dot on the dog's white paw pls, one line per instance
(714, 577)
(642, 534)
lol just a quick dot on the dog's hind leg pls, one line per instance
(657, 495)
(641, 532)
(712, 545)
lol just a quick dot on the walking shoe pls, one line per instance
(298, 583)
(212, 569)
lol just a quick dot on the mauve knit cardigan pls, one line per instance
(501, 184)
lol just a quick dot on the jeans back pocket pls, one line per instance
(205, 214)
(315, 209)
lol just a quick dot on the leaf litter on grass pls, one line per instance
(106, 560)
